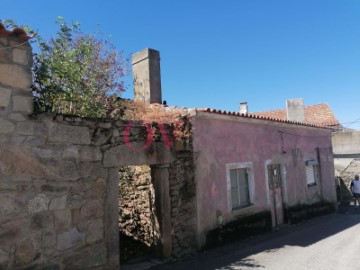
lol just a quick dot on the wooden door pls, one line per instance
(276, 194)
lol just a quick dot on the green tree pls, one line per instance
(76, 73)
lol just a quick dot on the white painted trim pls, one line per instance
(267, 162)
(240, 165)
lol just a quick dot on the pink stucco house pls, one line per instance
(246, 164)
(251, 172)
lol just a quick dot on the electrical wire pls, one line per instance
(347, 124)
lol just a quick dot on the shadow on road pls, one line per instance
(248, 263)
(234, 256)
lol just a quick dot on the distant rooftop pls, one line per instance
(260, 117)
(318, 114)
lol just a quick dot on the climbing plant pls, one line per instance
(76, 73)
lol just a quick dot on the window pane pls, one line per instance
(235, 197)
(310, 175)
(233, 179)
(244, 195)
(239, 187)
(242, 176)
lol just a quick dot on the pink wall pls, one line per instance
(221, 139)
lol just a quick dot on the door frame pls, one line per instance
(275, 206)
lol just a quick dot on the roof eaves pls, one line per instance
(253, 116)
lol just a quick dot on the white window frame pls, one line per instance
(250, 169)
(312, 172)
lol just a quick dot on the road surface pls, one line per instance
(328, 242)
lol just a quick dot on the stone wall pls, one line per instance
(15, 81)
(55, 190)
(59, 177)
(138, 215)
(344, 179)
(346, 160)
(137, 204)
(346, 143)
(54, 195)
(183, 203)
(346, 147)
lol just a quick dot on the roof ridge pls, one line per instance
(259, 117)
(314, 105)
(275, 110)
(307, 106)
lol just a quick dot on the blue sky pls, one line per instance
(218, 53)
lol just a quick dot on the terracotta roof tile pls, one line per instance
(320, 111)
(278, 116)
(319, 115)
(16, 32)
(262, 117)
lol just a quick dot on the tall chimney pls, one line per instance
(295, 109)
(146, 72)
(243, 108)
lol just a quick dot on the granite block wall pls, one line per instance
(59, 177)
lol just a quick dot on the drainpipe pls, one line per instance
(320, 171)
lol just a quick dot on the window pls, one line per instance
(312, 172)
(239, 184)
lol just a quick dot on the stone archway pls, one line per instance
(159, 158)
(144, 209)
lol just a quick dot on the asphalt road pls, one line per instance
(328, 242)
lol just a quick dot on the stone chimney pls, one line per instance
(146, 72)
(295, 110)
(243, 108)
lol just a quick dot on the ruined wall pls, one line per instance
(52, 182)
(346, 142)
(345, 177)
(183, 203)
(138, 218)
(52, 194)
(58, 203)
(54, 206)
(59, 176)
(138, 223)
(346, 146)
